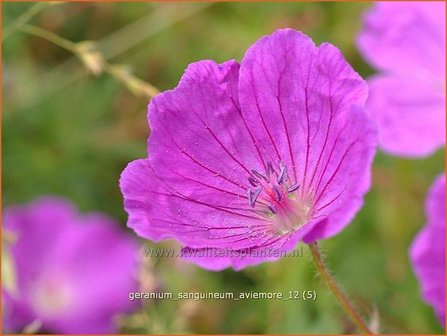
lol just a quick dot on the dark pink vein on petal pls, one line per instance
(216, 207)
(208, 185)
(204, 228)
(281, 113)
(335, 172)
(217, 174)
(208, 229)
(325, 142)
(218, 141)
(324, 170)
(331, 201)
(273, 240)
(287, 133)
(225, 149)
(277, 96)
(306, 104)
(215, 188)
(249, 132)
(262, 117)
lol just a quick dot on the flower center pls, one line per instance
(52, 296)
(275, 195)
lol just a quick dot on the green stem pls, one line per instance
(341, 297)
(90, 59)
(22, 19)
(49, 36)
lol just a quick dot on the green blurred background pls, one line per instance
(69, 133)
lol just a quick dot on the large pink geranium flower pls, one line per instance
(427, 252)
(405, 42)
(254, 157)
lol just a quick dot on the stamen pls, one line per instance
(293, 187)
(273, 209)
(284, 210)
(259, 175)
(277, 193)
(254, 182)
(270, 169)
(282, 175)
(253, 196)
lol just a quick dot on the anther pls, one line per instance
(282, 175)
(293, 187)
(277, 193)
(270, 169)
(259, 175)
(254, 182)
(253, 196)
(249, 196)
(272, 208)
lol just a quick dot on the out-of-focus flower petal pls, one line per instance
(405, 36)
(74, 273)
(406, 41)
(409, 114)
(427, 252)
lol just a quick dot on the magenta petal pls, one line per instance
(194, 185)
(409, 114)
(256, 156)
(303, 102)
(219, 259)
(290, 92)
(273, 249)
(74, 273)
(427, 252)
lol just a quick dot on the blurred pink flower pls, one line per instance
(254, 157)
(405, 42)
(74, 272)
(427, 252)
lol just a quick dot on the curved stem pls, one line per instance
(341, 297)
(95, 61)
(49, 36)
